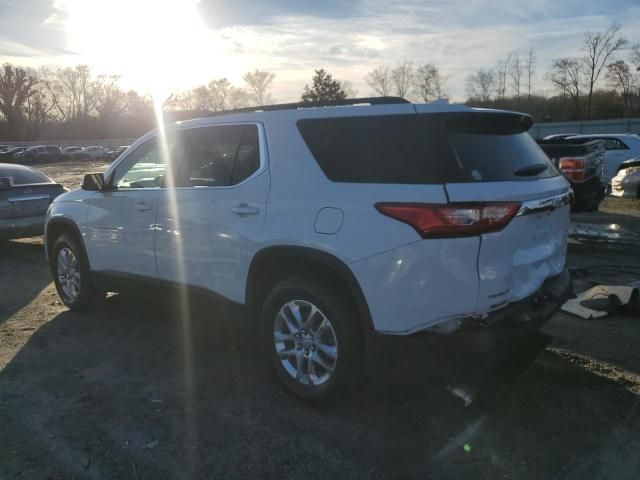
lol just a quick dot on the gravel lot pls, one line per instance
(128, 392)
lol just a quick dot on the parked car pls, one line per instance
(369, 238)
(25, 195)
(582, 163)
(5, 147)
(116, 152)
(44, 153)
(626, 183)
(95, 152)
(9, 155)
(618, 148)
(72, 152)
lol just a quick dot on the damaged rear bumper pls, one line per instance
(495, 348)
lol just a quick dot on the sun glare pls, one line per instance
(157, 45)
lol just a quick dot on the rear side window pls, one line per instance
(219, 156)
(426, 148)
(613, 144)
(24, 176)
(380, 149)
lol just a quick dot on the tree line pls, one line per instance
(601, 82)
(71, 102)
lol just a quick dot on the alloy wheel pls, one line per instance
(305, 343)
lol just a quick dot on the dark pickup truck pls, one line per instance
(581, 163)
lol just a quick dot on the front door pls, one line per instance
(120, 227)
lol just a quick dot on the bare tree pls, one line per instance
(221, 91)
(72, 90)
(565, 75)
(16, 86)
(530, 66)
(258, 83)
(380, 80)
(137, 105)
(110, 99)
(502, 71)
(599, 47)
(429, 82)
(200, 98)
(36, 111)
(620, 77)
(481, 85)
(402, 77)
(349, 90)
(516, 72)
(635, 55)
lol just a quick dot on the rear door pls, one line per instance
(497, 161)
(209, 220)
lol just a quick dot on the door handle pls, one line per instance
(142, 206)
(243, 209)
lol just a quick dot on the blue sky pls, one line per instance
(189, 41)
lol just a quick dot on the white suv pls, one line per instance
(374, 234)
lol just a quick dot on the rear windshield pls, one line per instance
(424, 149)
(24, 176)
(495, 158)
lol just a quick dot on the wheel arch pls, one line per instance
(58, 226)
(271, 264)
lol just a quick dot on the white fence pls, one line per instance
(623, 125)
(108, 143)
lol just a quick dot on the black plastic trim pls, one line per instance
(69, 223)
(310, 254)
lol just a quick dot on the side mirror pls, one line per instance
(94, 182)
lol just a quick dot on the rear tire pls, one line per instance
(71, 274)
(310, 334)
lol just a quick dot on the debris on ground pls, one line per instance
(601, 300)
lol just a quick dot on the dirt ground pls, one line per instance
(137, 390)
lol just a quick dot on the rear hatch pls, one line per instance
(495, 160)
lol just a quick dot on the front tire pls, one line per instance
(312, 339)
(71, 274)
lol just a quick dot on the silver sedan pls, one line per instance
(25, 195)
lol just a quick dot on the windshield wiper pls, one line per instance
(531, 170)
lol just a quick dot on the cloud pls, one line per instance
(292, 37)
(225, 13)
(24, 31)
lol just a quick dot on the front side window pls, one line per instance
(146, 166)
(218, 156)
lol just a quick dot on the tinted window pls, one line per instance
(380, 149)
(52, 149)
(219, 156)
(24, 176)
(492, 158)
(614, 144)
(430, 148)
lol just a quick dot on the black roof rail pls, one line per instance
(323, 103)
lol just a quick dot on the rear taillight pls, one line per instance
(453, 219)
(573, 168)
